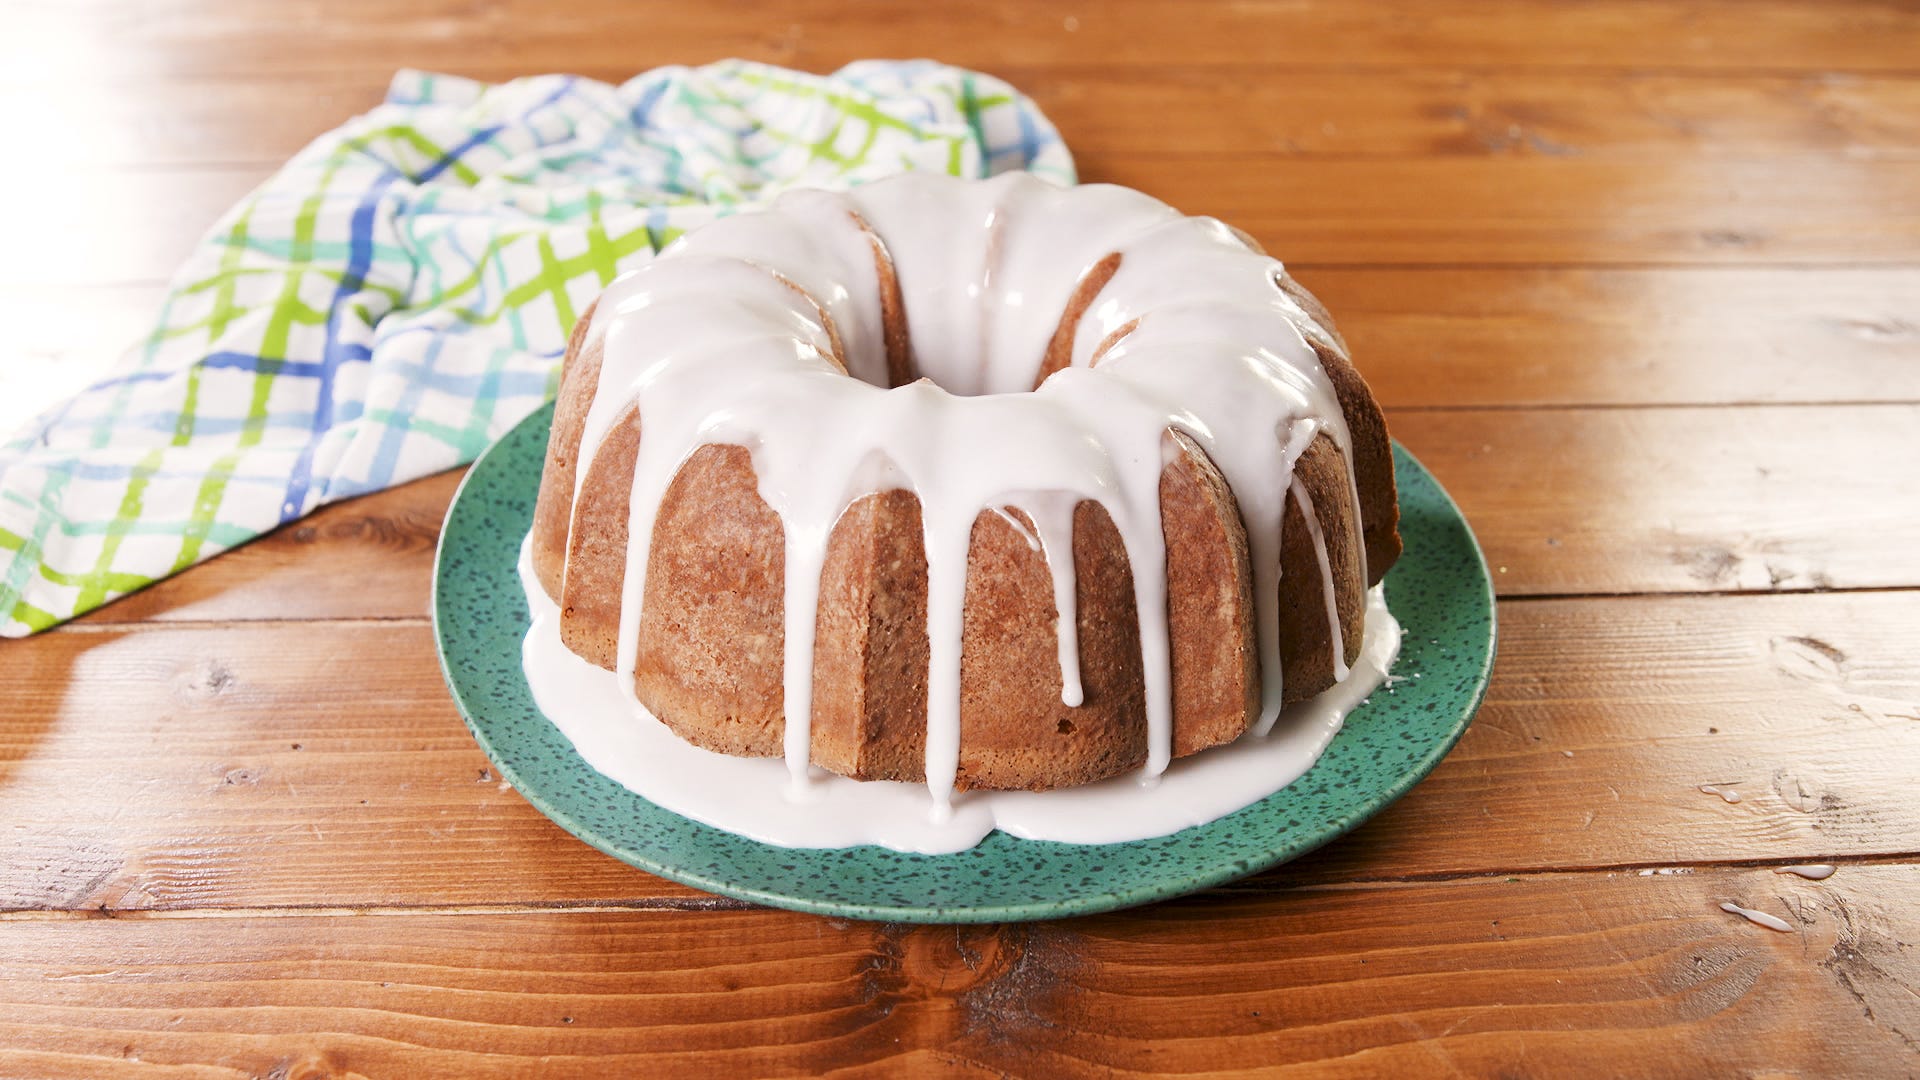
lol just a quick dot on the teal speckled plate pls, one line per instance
(1439, 590)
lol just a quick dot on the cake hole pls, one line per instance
(1065, 727)
(978, 378)
(970, 365)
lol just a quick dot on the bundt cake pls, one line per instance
(981, 484)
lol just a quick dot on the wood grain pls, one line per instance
(1447, 111)
(1548, 210)
(1681, 500)
(1428, 337)
(1605, 718)
(237, 766)
(187, 38)
(1159, 111)
(133, 226)
(1478, 976)
(365, 558)
(1450, 337)
(220, 762)
(1635, 277)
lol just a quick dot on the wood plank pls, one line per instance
(197, 119)
(1693, 336)
(243, 766)
(1445, 336)
(1605, 719)
(1475, 112)
(1547, 210)
(1542, 975)
(188, 37)
(269, 849)
(1684, 499)
(383, 544)
(98, 227)
(1424, 336)
(1564, 501)
(251, 753)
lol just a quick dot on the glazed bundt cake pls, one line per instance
(986, 484)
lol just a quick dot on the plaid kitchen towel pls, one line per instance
(399, 294)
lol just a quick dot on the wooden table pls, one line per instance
(1638, 279)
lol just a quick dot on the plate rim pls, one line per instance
(1148, 890)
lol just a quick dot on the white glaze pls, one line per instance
(1726, 794)
(1760, 918)
(744, 332)
(749, 796)
(1810, 871)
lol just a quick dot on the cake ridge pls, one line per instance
(776, 381)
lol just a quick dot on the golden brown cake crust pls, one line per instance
(1210, 612)
(1372, 461)
(870, 652)
(712, 624)
(711, 628)
(1305, 636)
(553, 511)
(596, 558)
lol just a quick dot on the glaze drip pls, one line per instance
(745, 333)
(746, 796)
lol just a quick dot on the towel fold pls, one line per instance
(398, 295)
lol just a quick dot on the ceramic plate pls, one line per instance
(1439, 590)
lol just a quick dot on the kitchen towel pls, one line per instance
(398, 295)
